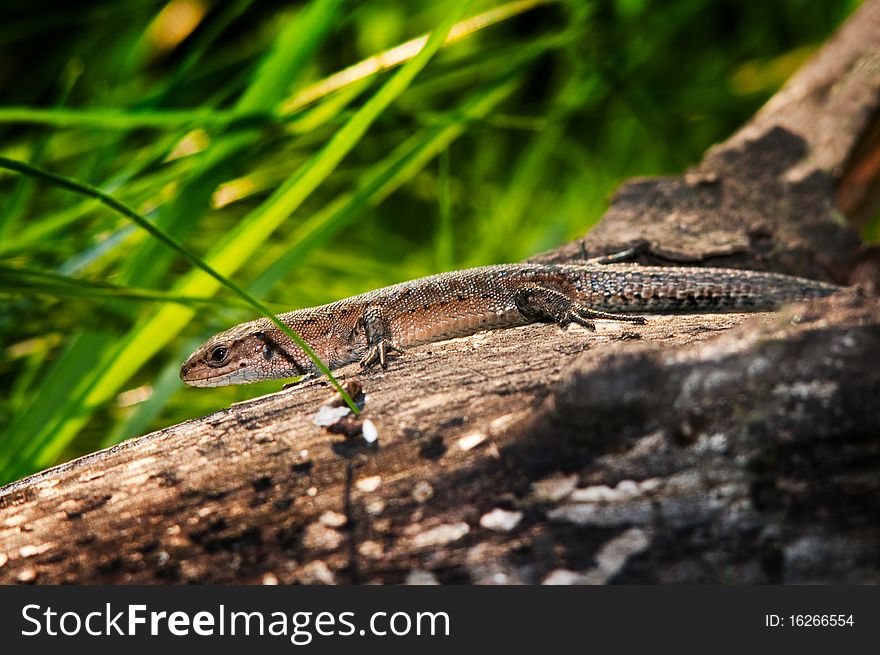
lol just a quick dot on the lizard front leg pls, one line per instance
(378, 334)
(545, 305)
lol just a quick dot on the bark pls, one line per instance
(698, 448)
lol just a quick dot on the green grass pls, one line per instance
(258, 145)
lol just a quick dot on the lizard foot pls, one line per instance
(378, 334)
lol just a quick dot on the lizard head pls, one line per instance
(243, 354)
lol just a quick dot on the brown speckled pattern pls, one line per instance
(463, 302)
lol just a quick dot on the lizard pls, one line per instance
(367, 327)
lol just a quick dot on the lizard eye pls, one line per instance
(218, 356)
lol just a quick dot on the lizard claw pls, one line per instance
(574, 315)
(378, 353)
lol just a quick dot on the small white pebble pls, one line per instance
(442, 534)
(333, 519)
(369, 484)
(3, 558)
(500, 520)
(312, 491)
(27, 575)
(31, 550)
(329, 415)
(371, 434)
(270, 579)
(470, 441)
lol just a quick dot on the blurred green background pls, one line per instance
(213, 118)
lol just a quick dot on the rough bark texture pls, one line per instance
(706, 448)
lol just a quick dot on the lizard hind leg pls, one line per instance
(545, 305)
(379, 336)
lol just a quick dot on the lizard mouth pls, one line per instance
(195, 378)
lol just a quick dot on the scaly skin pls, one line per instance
(365, 327)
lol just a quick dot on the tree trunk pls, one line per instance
(698, 448)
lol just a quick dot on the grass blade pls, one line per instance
(14, 280)
(396, 169)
